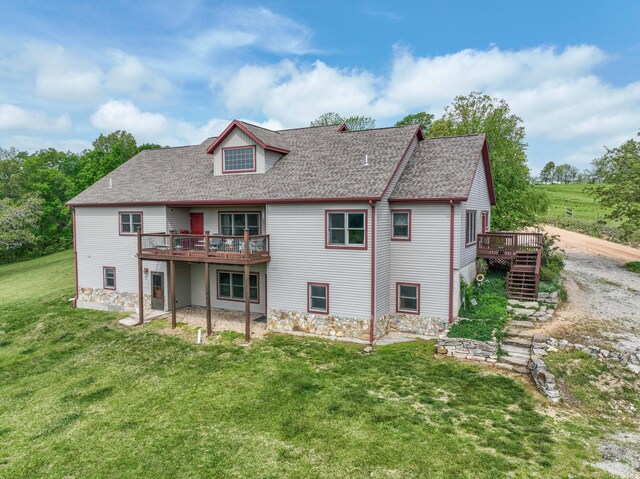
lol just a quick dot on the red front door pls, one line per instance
(197, 223)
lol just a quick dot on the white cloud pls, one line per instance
(149, 127)
(35, 143)
(296, 94)
(16, 118)
(124, 115)
(256, 27)
(129, 75)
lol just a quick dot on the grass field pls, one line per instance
(81, 397)
(576, 197)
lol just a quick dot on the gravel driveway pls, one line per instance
(604, 298)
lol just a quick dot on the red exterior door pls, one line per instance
(197, 223)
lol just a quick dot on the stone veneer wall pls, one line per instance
(110, 300)
(319, 324)
(416, 324)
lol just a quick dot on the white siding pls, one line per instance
(298, 256)
(178, 219)
(183, 284)
(270, 159)
(383, 240)
(237, 137)
(99, 244)
(198, 289)
(426, 258)
(478, 200)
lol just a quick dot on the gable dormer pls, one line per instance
(243, 149)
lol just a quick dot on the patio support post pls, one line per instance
(207, 294)
(247, 291)
(172, 292)
(140, 287)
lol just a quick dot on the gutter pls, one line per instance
(451, 252)
(75, 253)
(373, 270)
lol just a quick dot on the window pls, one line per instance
(231, 286)
(233, 224)
(470, 236)
(346, 229)
(408, 298)
(130, 222)
(238, 159)
(318, 298)
(109, 277)
(401, 221)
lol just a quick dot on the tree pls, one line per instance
(548, 172)
(620, 190)
(352, 122)
(519, 204)
(424, 119)
(18, 223)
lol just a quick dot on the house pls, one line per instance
(321, 229)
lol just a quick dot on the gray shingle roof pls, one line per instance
(440, 168)
(323, 163)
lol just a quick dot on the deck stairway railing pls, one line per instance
(204, 246)
(523, 253)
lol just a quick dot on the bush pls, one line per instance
(552, 259)
(633, 266)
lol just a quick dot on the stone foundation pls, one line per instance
(544, 380)
(110, 300)
(550, 299)
(318, 324)
(416, 324)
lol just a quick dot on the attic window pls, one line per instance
(239, 159)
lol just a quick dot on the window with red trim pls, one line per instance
(470, 230)
(108, 277)
(401, 225)
(318, 298)
(130, 222)
(239, 159)
(346, 229)
(408, 298)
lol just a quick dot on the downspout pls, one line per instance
(451, 251)
(75, 252)
(373, 270)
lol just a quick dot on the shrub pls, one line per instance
(552, 259)
(479, 329)
(633, 266)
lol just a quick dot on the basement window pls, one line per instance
(318, 298)
(408, 298)
(108, 277)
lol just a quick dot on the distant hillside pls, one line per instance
(576, 197)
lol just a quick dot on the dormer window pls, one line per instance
(239, 159)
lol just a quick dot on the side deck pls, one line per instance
(522, 253)
(204, 248)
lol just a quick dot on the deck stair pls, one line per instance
(523, 252)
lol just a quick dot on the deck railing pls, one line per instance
(506, 244)
(207, 245)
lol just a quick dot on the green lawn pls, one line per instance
(81, 397)
(576, 197)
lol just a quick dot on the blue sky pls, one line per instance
(177, 72)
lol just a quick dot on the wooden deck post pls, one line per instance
(207, 294)
(247, 289)
(140, 285)
(172, 292)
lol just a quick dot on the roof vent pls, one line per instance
(366, 160)
(110, 183)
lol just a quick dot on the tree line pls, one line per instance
(565, 173)
(35, 187)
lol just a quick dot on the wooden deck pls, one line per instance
(522, 252)
(204, 248)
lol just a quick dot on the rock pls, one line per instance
(552, 349)
(552, 342)
(369, 349)
(439, 350)
(554, 295)
(540, 338)
(523, 312)
(564, 343)
(604, 353)
(634, 368)
(543, 295)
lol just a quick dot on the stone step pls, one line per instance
(517, 350)
(514, 360)
(518, 333)
(517, 341)
(522, 324)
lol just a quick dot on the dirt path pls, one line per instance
(604, 298)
